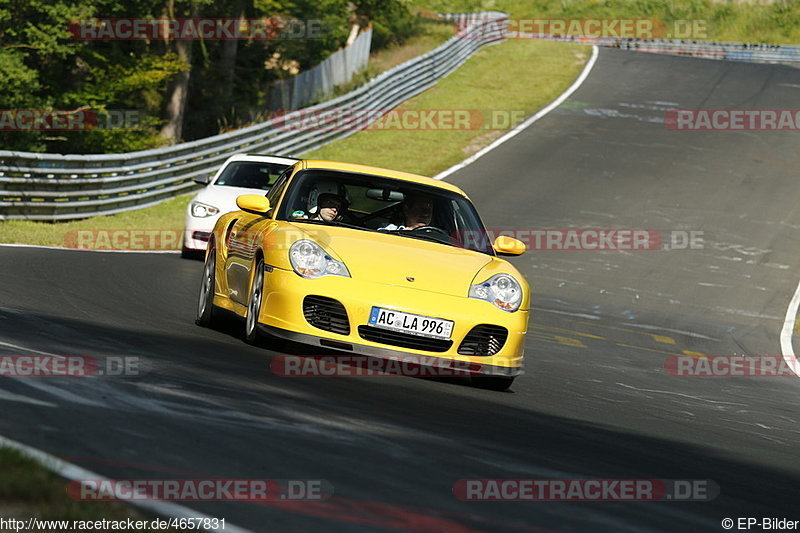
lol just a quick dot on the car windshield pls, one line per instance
(250, 174)
(394, 207)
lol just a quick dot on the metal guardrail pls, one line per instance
(51, 187)
(754, 53)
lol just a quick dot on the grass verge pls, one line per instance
(494, 74)
(168, 215)
(27, 490)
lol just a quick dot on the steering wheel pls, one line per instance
(430, 230)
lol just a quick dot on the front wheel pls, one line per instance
(254, 305)
(495, 383)
(205, 303)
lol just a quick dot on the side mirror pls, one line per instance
(203, 179)
(505, 245)
(253, 203)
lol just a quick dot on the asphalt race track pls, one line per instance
(595, 401)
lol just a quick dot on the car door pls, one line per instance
(243, 238)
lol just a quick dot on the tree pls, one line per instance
(179, 89)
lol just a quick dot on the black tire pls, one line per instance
(495, 383)
(251, 335)
(205, 302)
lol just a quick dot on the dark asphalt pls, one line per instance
(595, 401)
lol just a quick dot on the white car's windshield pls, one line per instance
(250, 174)
(375, 203)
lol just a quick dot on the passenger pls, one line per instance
(330, 208)
(327, 202)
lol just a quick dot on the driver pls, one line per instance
(417, 212)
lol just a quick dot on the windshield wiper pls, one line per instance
(346, 225)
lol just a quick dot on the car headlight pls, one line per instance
(201, 210)
(309, 260)
(501, 289)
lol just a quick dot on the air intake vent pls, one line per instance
(326, 313)
(397, 338)
(483, 340)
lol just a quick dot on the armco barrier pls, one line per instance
(54, 187)
(753, 53)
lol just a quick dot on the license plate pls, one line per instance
(422, 326)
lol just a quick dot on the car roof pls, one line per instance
(385, 172)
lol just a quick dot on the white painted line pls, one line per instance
(788, 329)
(15, 245)
(520, 127)
(13, 397)
(18, 347)
(76, 473)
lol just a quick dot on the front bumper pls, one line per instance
(282, 315)
(456, 365)
(198, 227)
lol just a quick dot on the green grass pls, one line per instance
(28, 490)
(168, 215)
(491, 80)
(752, 22)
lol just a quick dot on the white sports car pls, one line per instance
(240, 174)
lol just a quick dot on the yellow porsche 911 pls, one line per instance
(372, 262)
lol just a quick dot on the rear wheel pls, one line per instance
(495, 383)
(205, 302)
(254, 304)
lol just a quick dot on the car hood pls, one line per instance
(392, 260)
(223, 197)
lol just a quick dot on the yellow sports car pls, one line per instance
(372, 262)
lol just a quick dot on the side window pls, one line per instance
(276, 190)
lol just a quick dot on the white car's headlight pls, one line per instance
(501, 289)
(311, 261)
(201, 210)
